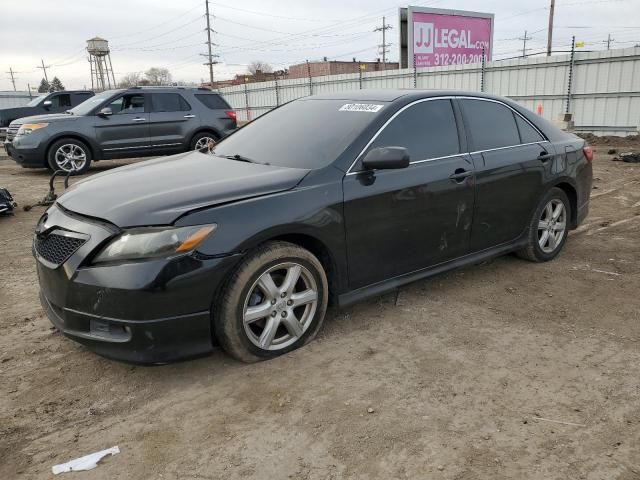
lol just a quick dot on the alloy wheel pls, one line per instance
(552, 225)
(70, 157)
(204, 143)
(280, 306)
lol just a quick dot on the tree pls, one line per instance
(259, 66)
(44, 86)
(158, 76)
(130, 80)
(56, 85)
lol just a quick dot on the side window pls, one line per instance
(427, 130)
(213, 101)
(169, 102)
(80, 97)
(491, 124)
(132, 103)
(528, 134)
(61, 101)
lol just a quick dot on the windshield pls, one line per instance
(306, 134)
(36, 100)
(85, 107)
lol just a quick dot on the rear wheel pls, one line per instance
(549, 227)
(275, 302)
(202, 141)
(69, 155)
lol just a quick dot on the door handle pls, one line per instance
(460, 175)
(139, 120)
(544, 156)
(189, 116)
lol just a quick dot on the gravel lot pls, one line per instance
(505, 370)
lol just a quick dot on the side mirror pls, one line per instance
(105, 112)
(47, 104)
(386, 158)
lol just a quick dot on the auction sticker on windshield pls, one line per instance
(361, 107)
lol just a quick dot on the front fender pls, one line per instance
(315, 212)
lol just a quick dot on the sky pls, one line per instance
(171, 33)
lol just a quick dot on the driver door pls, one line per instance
(400, 221)
(125, 133)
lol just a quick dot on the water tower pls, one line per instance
(102, 77)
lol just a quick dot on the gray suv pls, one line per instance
(134, 122)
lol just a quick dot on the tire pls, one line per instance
(542, 246)
(59, 151)
(245, 293)
(202, 138)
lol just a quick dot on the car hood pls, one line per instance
(158, 192)
(48, 118)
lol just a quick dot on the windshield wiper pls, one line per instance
(238, 157)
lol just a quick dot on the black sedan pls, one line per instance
(324, 201)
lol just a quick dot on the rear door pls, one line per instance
(399, 221)
(172, 120)
(125, 132)
(510, 156)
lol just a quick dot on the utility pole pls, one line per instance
(609, 40)
(524, 44)
(44, 69)
(13, 80)
(550, 34)
(384, 45)
(210, 44)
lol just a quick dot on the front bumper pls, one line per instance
(26, 151)
(149, 312)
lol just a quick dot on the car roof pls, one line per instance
(171, 89)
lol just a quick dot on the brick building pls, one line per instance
(334, 67)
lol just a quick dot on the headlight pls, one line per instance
(27, 128)
(142, 243)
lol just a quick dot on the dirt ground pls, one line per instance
(507, 370)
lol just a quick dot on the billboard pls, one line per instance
(434, 37)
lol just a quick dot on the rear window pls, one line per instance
(528, 134)
(169, 102)
(212, 101)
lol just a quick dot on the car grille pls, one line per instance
(12, 130)
(56, 248)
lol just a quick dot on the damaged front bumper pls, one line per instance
(153, 311)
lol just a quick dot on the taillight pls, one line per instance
(232, 115)
(588, 152)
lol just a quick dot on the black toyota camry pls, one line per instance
(324, 201)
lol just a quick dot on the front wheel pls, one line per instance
(275, 302)
(549, 227)
(69, 155)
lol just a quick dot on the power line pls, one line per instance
(210, 45)
(384, 45)
(550, 34)
(44, 69)
(13, 80)
(524, 43)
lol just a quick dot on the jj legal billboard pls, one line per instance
(434, 37)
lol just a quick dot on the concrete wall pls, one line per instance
(605, 97)
(15, 99)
